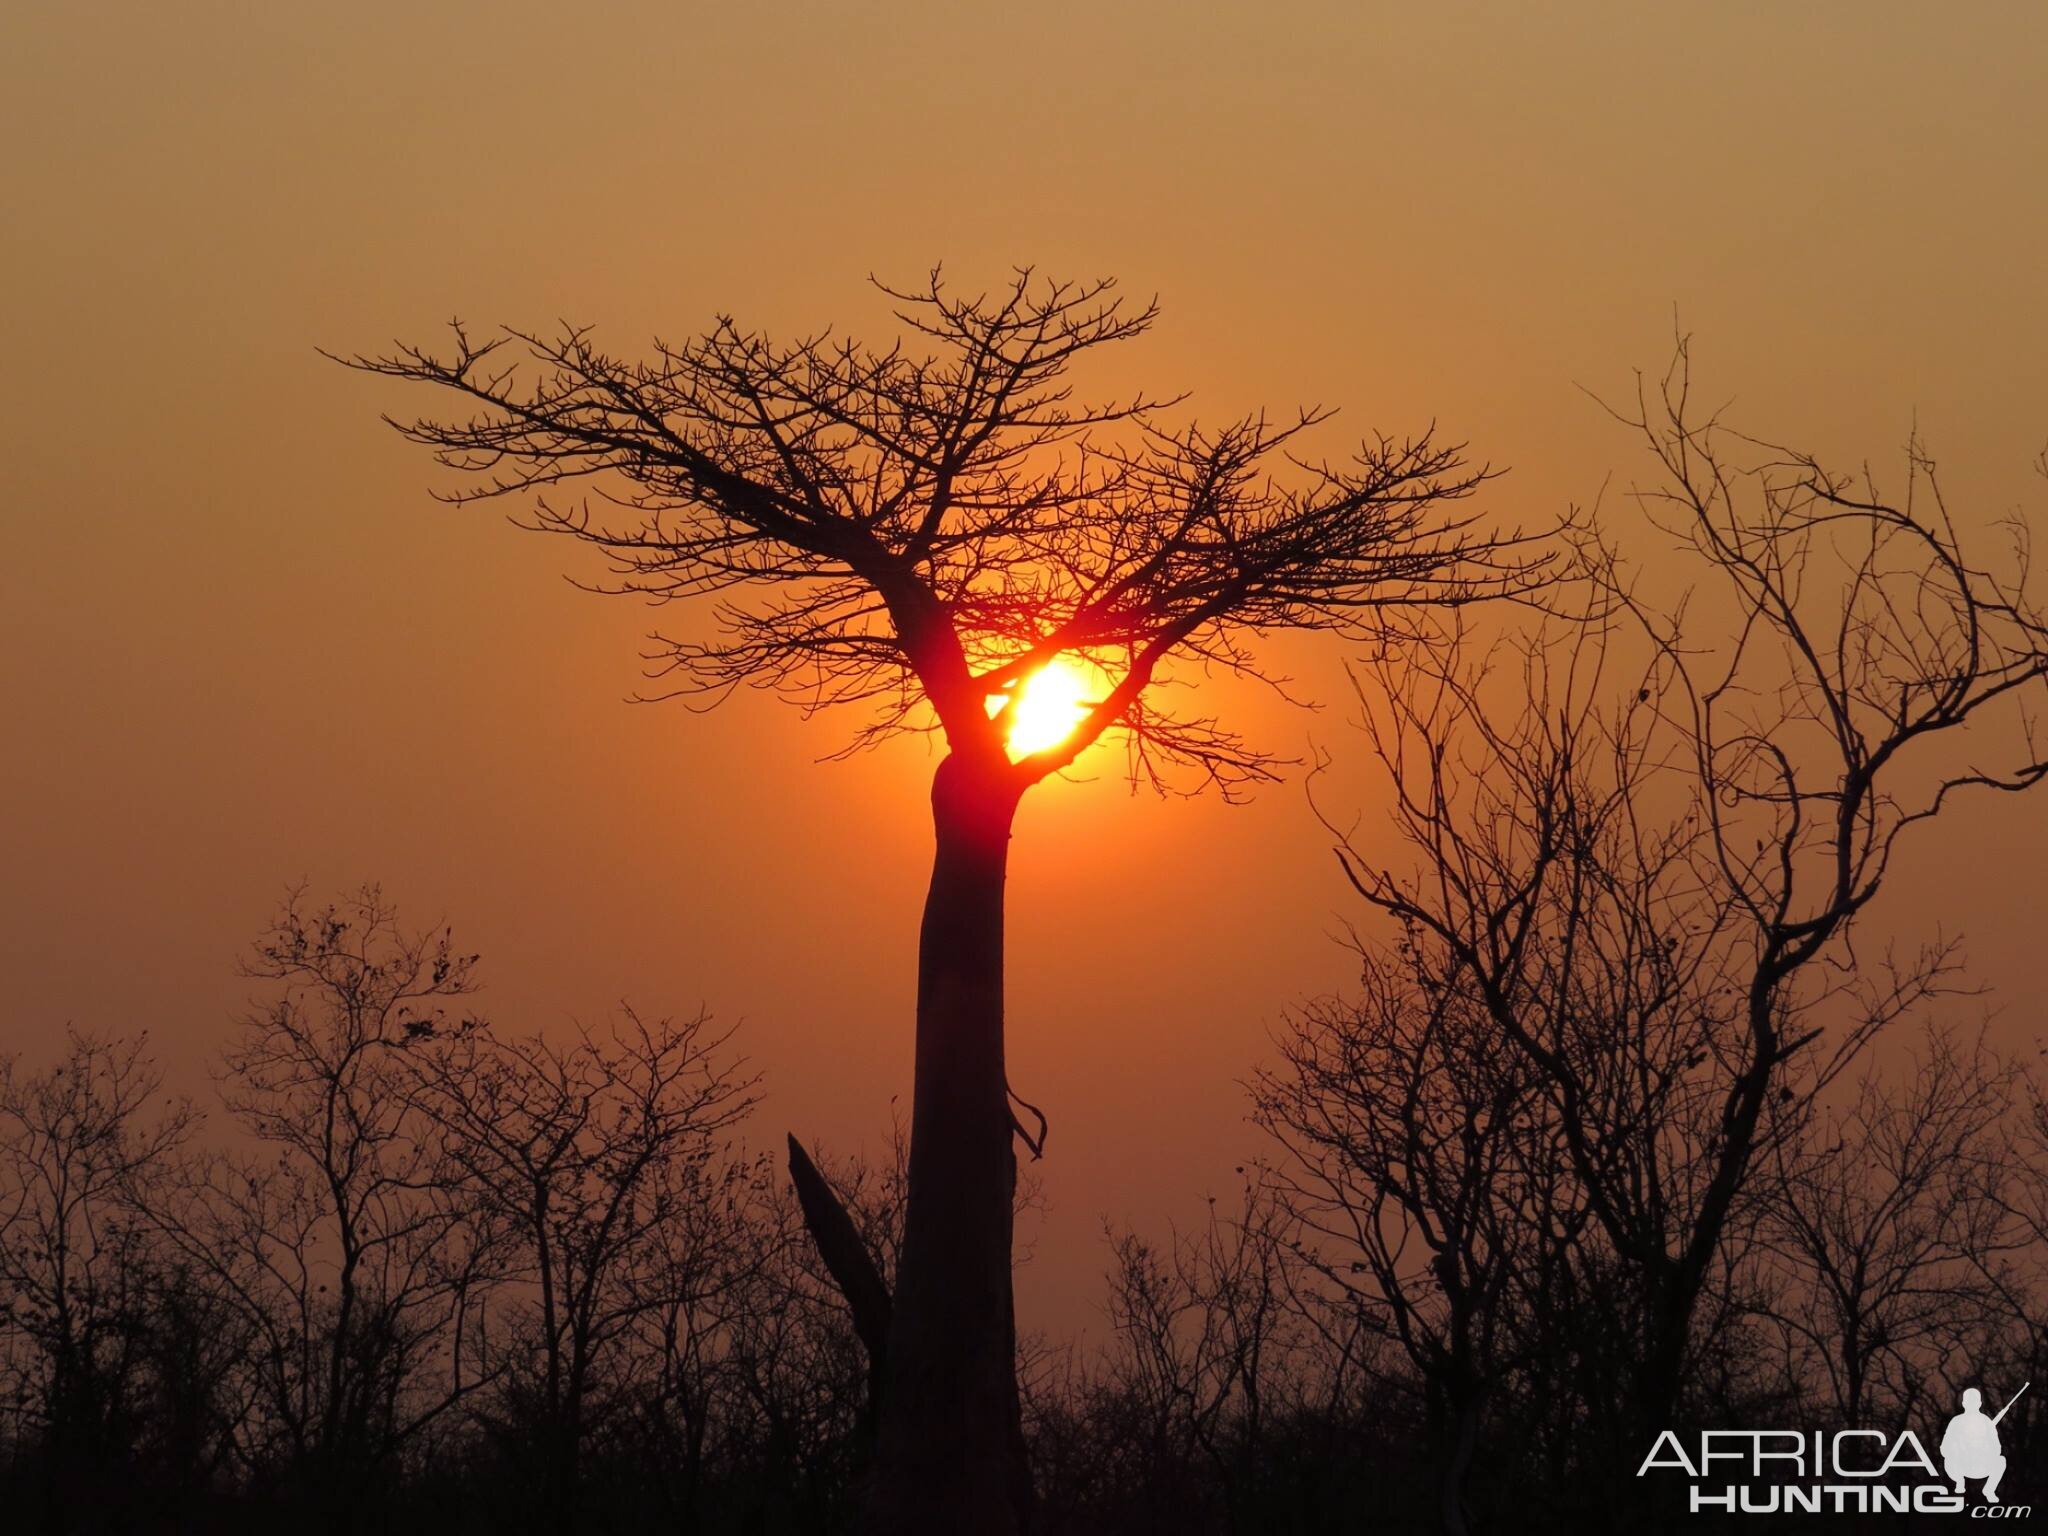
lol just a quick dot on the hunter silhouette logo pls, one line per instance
(1969, 1446)
(1852, 1471)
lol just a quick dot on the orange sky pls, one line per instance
(239, 646)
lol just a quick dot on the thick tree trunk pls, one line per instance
(948, 1457)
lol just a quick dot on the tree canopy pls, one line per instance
(915, 528)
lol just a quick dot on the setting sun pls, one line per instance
(1046, 708)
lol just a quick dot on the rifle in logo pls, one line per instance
(2009, 1402)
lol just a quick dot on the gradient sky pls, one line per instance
(240, 647)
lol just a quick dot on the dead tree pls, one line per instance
(915, 530)
(1643, 851)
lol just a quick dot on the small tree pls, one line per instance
(1210, 1352)
(595, 1158)
(1886, 1222)
(77, 1273)
(1422, 1165)
(349, 1245)
(918, 530)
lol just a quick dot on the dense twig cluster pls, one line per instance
(915, 528)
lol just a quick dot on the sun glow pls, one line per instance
(1044, 711)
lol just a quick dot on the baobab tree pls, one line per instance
(918, 531)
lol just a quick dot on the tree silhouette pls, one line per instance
(915, 530)
(166, 1316)
(1652, 891)
(345, 1238)
(597, 1159)
(80, 1295)
(1429, 1188)
(1884, 1226)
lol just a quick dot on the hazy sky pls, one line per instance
(239, 646)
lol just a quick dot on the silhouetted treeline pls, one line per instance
(445, 1280)
(450, 1280)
